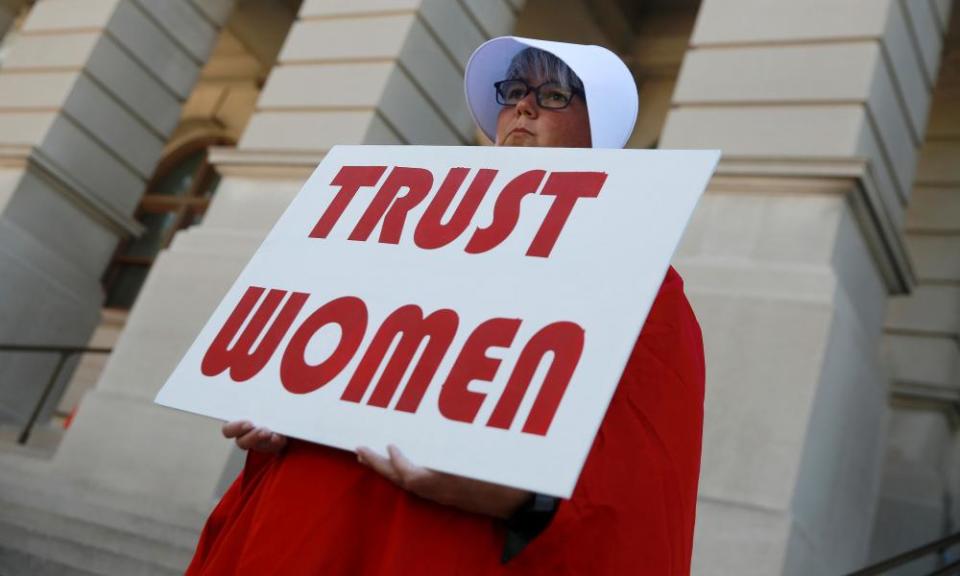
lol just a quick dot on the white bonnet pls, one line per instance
(611, 92)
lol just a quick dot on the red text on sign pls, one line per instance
(253, 332)
(389, 209)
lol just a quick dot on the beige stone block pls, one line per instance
(359, 84)
(903, 56)
(920, 437)
(778, 131)
(764, 360)
(927, 32)
(230, 242)
(182, 20)
(935, 257)
(336, 39)
(437, 76)
(827, 72)
(50, 50)
(918, 359)
(412, 116)
(92, 165)
(305, 131)
(240, 204)
(39, 90)
(163, 324)
(323, 8)
(456, 30)
(129, 82)
(151, 46)
(938, 163)
(23, 127)
(739, 21)
(839, 472)
(184, 467)
(934, 209)
(752, 229)
(124, 134)
(930, 309)
(735, 539)
(50, 15)
(494, 16)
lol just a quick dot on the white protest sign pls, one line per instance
(475, 306)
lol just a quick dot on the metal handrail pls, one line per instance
(64, 352)
(911, 555)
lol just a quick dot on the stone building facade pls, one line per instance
(147, 146)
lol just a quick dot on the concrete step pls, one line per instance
(34, 483)
(17, 563)
(94, 535)
(81, 506)
(53, 549)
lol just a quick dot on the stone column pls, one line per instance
(820, 108)
(363, 72)
(920, 495)
(89, 92)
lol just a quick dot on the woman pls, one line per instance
(300, 508)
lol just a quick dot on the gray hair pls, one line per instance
(536, 63)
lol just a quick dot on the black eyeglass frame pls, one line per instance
(536, 93)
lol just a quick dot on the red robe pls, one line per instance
(315, 510)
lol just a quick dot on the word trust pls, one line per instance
(388, 207)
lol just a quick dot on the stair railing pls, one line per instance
(63, 354)
(936, 547)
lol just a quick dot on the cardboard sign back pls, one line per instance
(382, 308)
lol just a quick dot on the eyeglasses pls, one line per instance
(551, 95)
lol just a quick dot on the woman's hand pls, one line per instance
(249, 437)
(464, 493)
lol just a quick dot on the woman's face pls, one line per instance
(527, 124)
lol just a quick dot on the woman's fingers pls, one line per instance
(236, 428)
(249, 437)
(380, 464)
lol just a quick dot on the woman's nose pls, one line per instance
(528, 105)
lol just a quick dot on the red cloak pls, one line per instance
(315, 510)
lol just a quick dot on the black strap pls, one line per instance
(527, 523)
